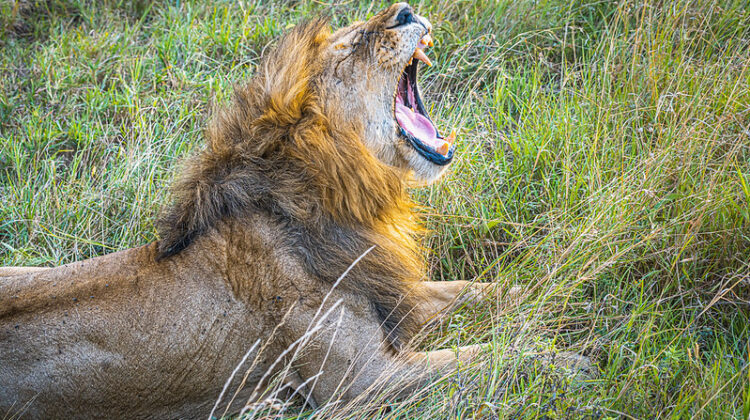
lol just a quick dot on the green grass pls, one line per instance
(603, 165)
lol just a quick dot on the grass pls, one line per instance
(604, 166)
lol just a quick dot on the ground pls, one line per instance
(603, 166)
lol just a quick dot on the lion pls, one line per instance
(292, 225)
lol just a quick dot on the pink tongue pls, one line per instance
(417, 125)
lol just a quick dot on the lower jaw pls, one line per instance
(427, 153)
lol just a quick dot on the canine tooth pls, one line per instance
(420, 55)
(443, 148)
(451, 137)
(427, 40)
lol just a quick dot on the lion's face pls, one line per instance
(369, 81)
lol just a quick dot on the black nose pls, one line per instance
(405, 16)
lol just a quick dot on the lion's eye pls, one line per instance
(405, 16)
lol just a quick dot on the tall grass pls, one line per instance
(603, 166)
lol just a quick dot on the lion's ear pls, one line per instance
(283, 78)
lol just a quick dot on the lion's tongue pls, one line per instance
(419, 126)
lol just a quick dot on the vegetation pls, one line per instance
(603, 166)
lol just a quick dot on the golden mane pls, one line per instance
(273, 150)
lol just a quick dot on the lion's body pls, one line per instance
(165, 334)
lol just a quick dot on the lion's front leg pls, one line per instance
(342, 356)
(441, 297)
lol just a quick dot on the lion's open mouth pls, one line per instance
(413, 121)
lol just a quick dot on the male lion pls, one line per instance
(303, 174)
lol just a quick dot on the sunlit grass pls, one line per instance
(602, 166)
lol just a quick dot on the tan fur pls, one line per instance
(301, 175)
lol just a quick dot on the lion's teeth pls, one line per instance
(447, 143)
(425, 42)
(420, 55)
(451, 137)
(443, 148)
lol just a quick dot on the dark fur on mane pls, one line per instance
(273, 151)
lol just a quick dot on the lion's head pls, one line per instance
(369, 78)
(330, 127)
